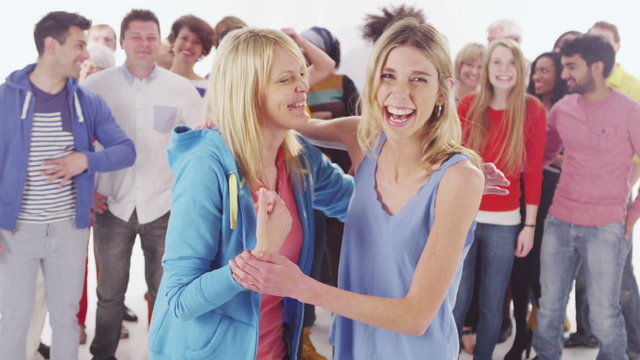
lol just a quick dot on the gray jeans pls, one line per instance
(113, 242)
(61, 250)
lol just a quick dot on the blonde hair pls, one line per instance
(236, 88)
(512, 152)
(469, 52)
(441, 134)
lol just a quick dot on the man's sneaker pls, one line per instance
(129, 315)
(44, 350)
(579, 340)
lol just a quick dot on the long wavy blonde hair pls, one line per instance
(236, 88)
(512, 151)
(441, 134)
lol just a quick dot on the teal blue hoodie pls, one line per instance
(200, 311)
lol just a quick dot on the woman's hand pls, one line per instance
(293, 35)
(99, 205)
(273, 223)
(525, 241)
(493, 178)
(271, 274)
(559, 159)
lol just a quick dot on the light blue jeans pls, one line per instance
(602, 251)
(61, 250)
(493, 247)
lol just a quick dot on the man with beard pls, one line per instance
(626, 83)
(588, 222)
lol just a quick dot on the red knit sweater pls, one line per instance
(531, 169)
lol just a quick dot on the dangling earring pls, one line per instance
(438, 111)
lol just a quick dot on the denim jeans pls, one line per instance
(113, 242)
(493, 247)
(629, 301)
(602, 251)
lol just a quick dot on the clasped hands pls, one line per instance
(263, 269)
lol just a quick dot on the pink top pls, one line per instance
(271, 344)
(599, 140)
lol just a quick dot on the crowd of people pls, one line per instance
(416, 212)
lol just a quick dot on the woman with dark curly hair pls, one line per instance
(191, 39)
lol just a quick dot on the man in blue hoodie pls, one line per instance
(47, 167)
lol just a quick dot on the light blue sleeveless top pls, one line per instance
(379, 257)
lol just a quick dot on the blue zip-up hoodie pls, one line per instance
(91, 119)
(200, 311)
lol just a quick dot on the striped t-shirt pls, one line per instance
(51, 138)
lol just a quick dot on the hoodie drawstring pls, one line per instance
(233, 201)
(25, 106)
(78, 108)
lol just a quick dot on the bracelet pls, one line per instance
(530, 225)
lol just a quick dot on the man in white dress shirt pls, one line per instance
(147, 102)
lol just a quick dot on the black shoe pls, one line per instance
(522, 343)
(505, 331)
(44, 350)
(129, 315)
(579, 340)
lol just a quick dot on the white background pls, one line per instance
(461, 21)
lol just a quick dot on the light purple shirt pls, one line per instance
(599, 140)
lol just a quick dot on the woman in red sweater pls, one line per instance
(507, 127)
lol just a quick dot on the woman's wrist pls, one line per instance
(305, 289)
(530, 225)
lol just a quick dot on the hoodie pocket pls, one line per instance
(206, 335)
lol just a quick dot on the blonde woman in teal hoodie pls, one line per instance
(257, 94)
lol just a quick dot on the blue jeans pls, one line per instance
(493, 247)
(629, 301)
(602, 251)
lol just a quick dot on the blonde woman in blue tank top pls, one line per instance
(410, 220)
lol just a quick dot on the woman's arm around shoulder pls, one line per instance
(336, 133)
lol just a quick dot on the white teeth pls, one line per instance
(399, 111)
(300, 104)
